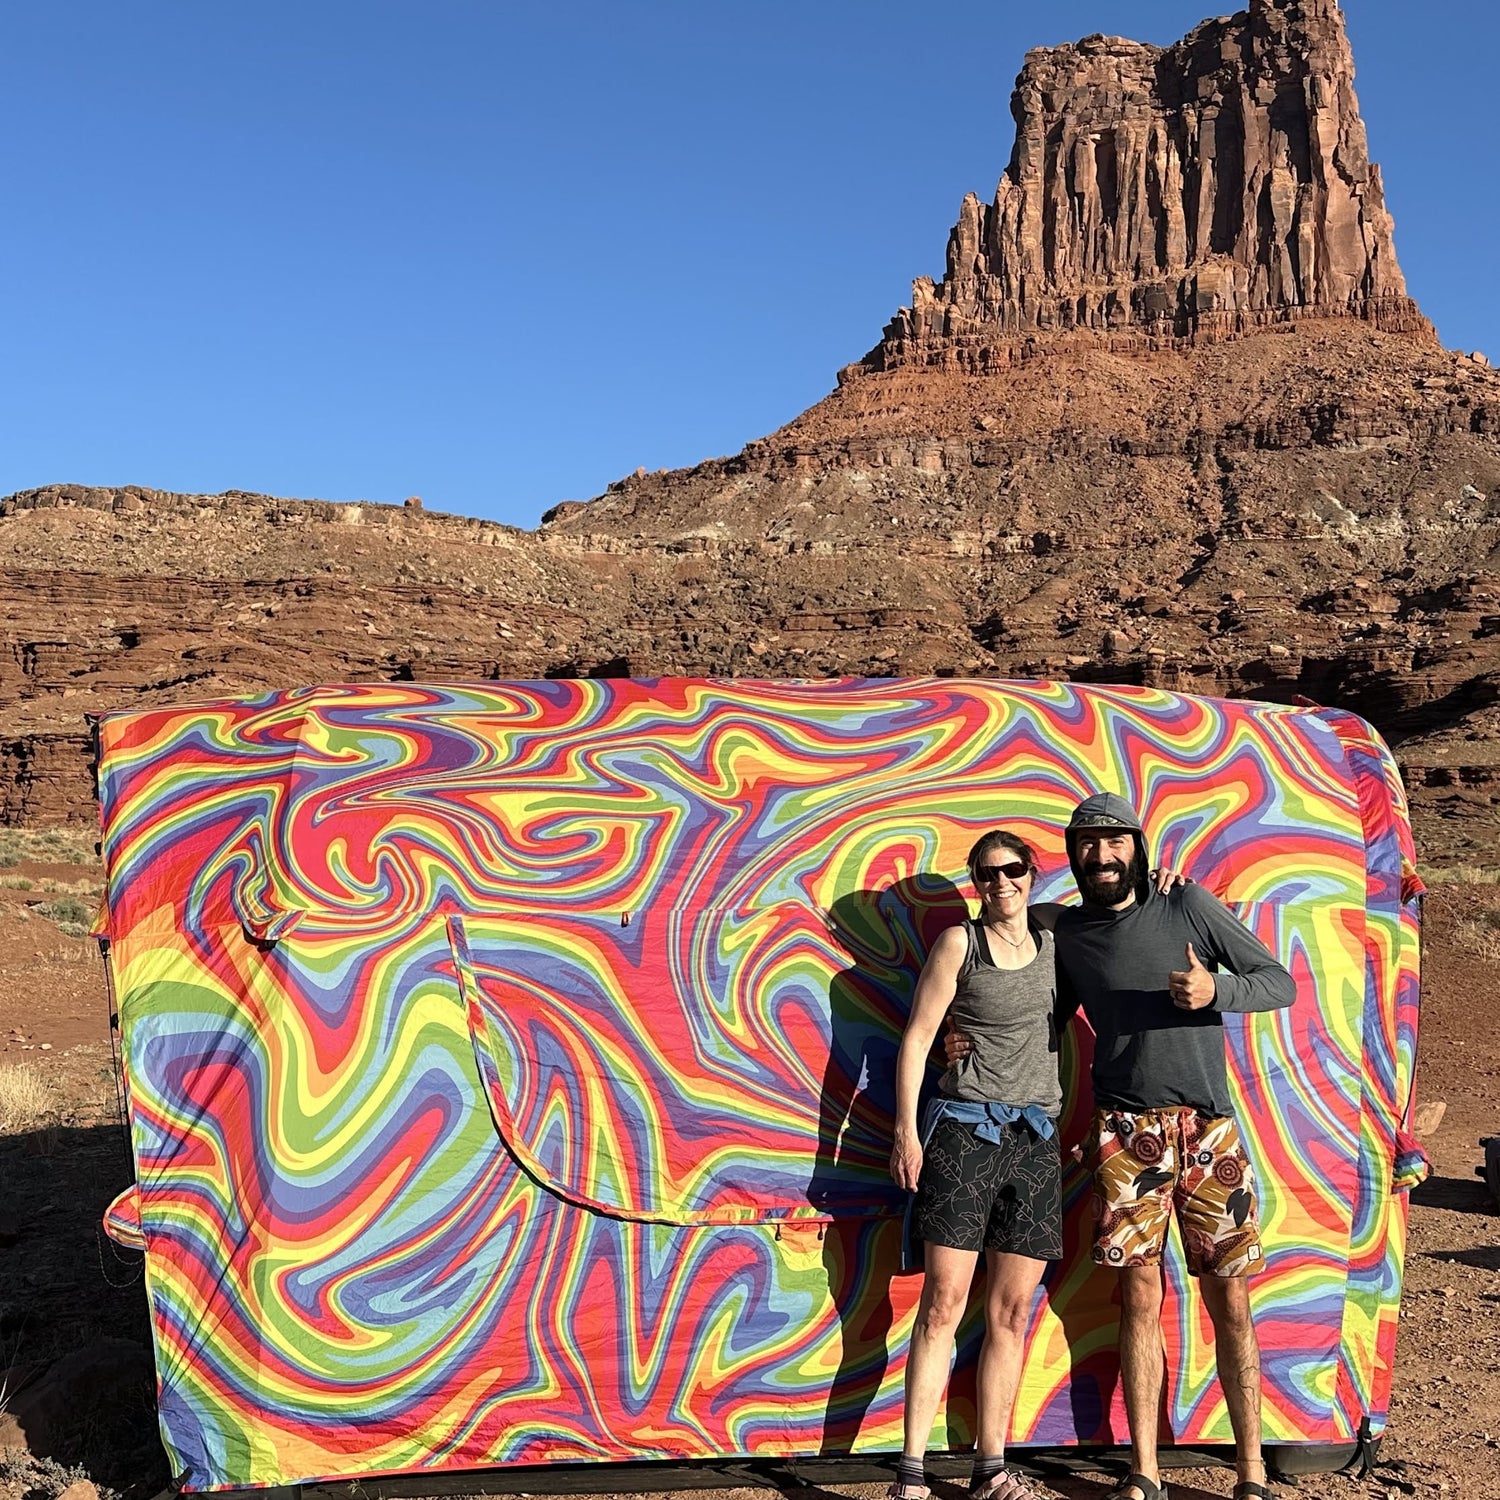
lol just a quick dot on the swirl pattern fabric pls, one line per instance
(510, 1066)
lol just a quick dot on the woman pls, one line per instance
(984, 1164)
(999, 1191)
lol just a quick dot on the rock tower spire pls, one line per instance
(1162, 194)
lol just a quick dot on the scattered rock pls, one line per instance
(1428, 1116)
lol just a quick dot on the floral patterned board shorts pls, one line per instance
(1149, 1163)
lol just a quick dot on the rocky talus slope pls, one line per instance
(1240, 465)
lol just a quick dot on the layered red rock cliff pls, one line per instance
(1161, 194)
(1169, 419)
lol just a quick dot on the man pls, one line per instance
(1155, 974)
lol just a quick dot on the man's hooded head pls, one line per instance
(1108, 882)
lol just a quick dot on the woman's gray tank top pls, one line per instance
(1008, 1016)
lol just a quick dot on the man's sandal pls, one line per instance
(1252, 1489)
(1149, 1489)
(900, 1491)
(1004, 1486)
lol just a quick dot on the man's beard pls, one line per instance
(1111, 893)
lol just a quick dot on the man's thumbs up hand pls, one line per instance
(1191, 988)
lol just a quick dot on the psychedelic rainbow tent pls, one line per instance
(510, 1066)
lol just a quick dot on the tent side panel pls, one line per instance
(1378, 1243)
(348, 1274)
(1407, 994)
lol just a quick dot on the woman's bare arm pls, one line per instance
(935, 991)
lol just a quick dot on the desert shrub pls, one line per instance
(35, 1477)
(26, 1100)
(67, 912)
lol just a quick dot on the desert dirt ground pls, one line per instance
(66, 1288)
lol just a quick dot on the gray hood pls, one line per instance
(1108, 810)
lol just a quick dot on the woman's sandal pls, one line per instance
(1149, 1489)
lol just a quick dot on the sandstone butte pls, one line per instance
(1170, 417)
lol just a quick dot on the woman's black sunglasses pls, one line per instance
(1013, 871)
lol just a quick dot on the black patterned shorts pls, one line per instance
(976, 1195)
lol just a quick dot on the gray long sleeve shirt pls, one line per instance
(1149, 1053)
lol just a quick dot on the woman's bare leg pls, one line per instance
(945, 1295)
(1012, 1281)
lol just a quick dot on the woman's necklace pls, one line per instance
(1002, 934)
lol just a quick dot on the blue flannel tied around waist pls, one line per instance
(989, 1122)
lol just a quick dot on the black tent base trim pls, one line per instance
(803, 1478)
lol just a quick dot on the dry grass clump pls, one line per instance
(48, 846)
(1459, 874)
(26, 1099)
(50, 886)
(1480, 936)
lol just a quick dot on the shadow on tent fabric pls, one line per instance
(888, 934)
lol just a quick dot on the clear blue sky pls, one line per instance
(498, 254)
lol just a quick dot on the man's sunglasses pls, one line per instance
(986, 874)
